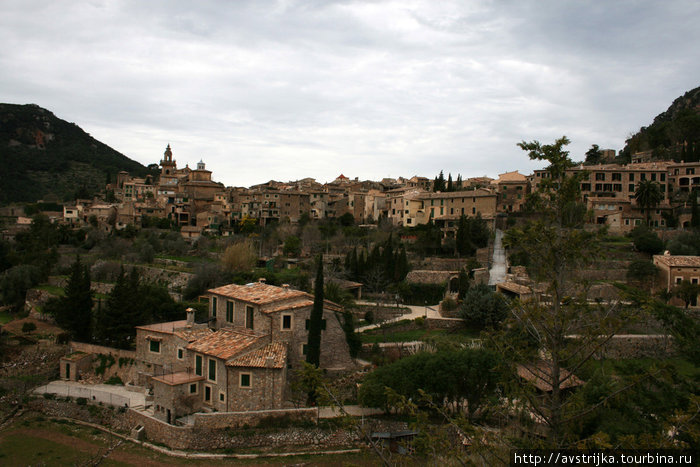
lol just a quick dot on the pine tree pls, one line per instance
(313, 347)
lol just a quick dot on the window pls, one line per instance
(180, 353)
(246, 380)
(303, 349)
(631, 177)
(212, 370)
(193, 388)
(154, 346)
(207, 393)
(222, 397)
(616, 177)
(249, 317)
(213, 306)
(631, 187)
(600, 176)
(679, 280)
(198, 365)
(229, 311)
(286, 321)
(653, 177)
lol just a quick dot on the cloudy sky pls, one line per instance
(283, 90)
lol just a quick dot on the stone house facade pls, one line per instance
(239, 359)
(675, 269)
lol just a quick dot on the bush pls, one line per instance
(115, 381)
(421, 294)
(646, 241)
(448, 304)
(81, 401)
(28, 327)
(369, 317)
(482, 307)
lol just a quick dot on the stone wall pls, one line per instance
(640, 346)
(124, 365)
(444, 323)
(221, 420)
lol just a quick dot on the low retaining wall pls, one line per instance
(444, 323)
(99, 349)
(241, 419)
(640, 346)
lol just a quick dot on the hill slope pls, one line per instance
(43, 157)
(674, 134)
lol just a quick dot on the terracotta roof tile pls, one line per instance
(167, 328)
(257, 292)
(271, 356)
(225, 343)
(174, 379)
(540, 375)
(676, 261)
(193, 334)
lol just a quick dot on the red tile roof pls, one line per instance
(679, 261)
(182, 377)
(193, 334)
(277, 298)
(271, 356)
(257, 292)
(166, 328)
(225, 343)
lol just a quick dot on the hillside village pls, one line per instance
(418, 256)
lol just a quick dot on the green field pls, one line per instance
(35, 440)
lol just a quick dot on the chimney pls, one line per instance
(262, 280)
(190, 316)
(285, 286)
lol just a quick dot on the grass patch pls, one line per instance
(684, 367)
(6, 317)
(52, 289)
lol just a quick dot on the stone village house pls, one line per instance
(240, 360)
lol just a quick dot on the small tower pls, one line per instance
(167, 165)
(200, 165)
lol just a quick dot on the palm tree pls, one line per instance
(648, 195)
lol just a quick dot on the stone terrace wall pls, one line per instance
(97, 349)
(640, 346)
(444, 323)
(239, 419)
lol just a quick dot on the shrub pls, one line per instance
(449, 304)
(115, 380)
(646, 241)
(482, 307)
(28, 327)
(81, 401)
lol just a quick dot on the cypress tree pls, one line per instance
(450, 187)
(313, 347)
(75, 308)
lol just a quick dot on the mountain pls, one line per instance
(674, 134)
(44, 157)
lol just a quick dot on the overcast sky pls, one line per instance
(290, 89)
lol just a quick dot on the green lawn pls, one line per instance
(611, 366)
(419, 334)
(52, 289)
(6, 317)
